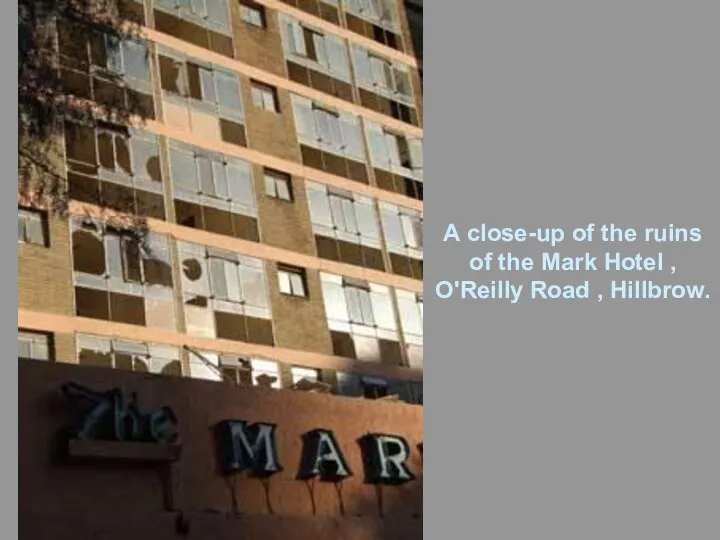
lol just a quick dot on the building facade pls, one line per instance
(234, 295)
(277, 170)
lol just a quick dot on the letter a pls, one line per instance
(451, 233)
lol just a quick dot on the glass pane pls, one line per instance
(114, 54)
(220, 182)
(361, 63)
(378, 149)
(283, 189)
(41, 349)
(319, 207)
(205, 173)
(322, 120)
(136, 60)
(393, 228)
(416, 153)
(201, 367)
(382, 309)
(410, 227)
(218, 279)
(207, 84)
(195, 275)
(402, 82)
(270, 188)
(24, 348)
(393, 149)
(34, 230)
(232, 280)
(217, 11)
(257, 96)
(352, 296)
(113, 252)
(366, 307)
(240, 184)
(228, 89)
(336, 306)
(410, 317)
(348, 207)
(367, 348)
(334, 127)
(350, 132)
(198, 7)
(298, 41)
(284, 283)
(253, 286)
(144, 157)
(336, 55)
(304, 373)
(379, 72)
(184, 172)
(305, 120)
(338, 212)
(319, 43)
(297, 284)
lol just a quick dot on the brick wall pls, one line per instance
(45, 273)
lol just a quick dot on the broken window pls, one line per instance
(321, 51)
(131, 280)
(403, 228)
(209, 87)
(361, 318)
(393, 152)
(211, 14)
(301, 373)
(381, 75)
(223, 291)
(114, 166)
(265, 373)
(128, 355)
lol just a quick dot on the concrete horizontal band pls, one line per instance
(257, 250)
(46, 322)
(352, 37)
(277, 81)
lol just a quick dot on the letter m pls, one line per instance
(251, 447)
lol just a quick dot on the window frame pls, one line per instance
(41, 219)
(296, 272)
(261, 366)
(49, 344)
(248, 8)
(264, 92)
(274, 178)
(299, 373)
(197, 194)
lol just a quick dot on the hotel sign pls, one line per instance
(241, 445)
(110, 416)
